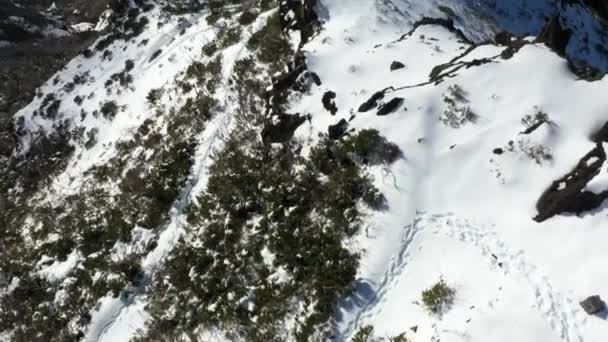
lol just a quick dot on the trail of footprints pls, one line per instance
(559, 311)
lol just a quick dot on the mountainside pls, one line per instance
(315, 170)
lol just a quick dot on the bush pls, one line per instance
(248, 17)
(438, 298)
(209, 49)
(232, 36)
(364, 334)
(399, 338)
(271, 45)
(457, 113)
(109, 109)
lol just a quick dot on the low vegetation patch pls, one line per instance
(438, 298)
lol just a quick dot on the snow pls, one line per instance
(116, 319)
(456, 211)
(83, 27)
(452, 208)
(268, 257)
(58, 270)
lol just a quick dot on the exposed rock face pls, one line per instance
(601, 135)
(568, 194)
(585, 71)
(599, 8)
(555, 36)
(391, 106)
(503, 38)
(336, 131)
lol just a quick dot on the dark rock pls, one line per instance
(503, 38)
(315, 78)
(513, 47)
(391, 106)
(593, 305)
(372, 102)
(305, 81)
(555, 36)
(336, 131)
(601, 135)
(299, 16)
(396, 65)
(283, 128)
(567, 194)
(414, 328)
(585, 71)
(599, 8)
(447, 23)
(498, 151)
(328, 102)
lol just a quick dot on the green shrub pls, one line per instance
(109, 109)
(271, 45)
(210, 49)
(438, 298)
(231, 37)
(364, 334)
(248, 17)
(399, 338)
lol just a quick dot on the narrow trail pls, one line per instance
(560, 312)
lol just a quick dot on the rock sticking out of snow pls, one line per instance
(396, 65)
(593, 305)
(391, 106)
(338, 130)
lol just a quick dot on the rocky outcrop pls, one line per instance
(593, 305)
(568, 194)
(555, 36)
(585, 71)
(338, 130)
(391, 106)
(372, 102)
(503, 38)
(601, 136)
(300, 15)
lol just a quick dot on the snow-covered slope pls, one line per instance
(457, 210)
(107, 245)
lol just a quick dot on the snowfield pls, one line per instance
(457, 210)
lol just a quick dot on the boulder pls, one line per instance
(391, 106)
(328, 102)
(498, 151)
(396, 65)
(555, 36)
(372, 102)
(282, 128)
(336, 131)
(593, 305)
